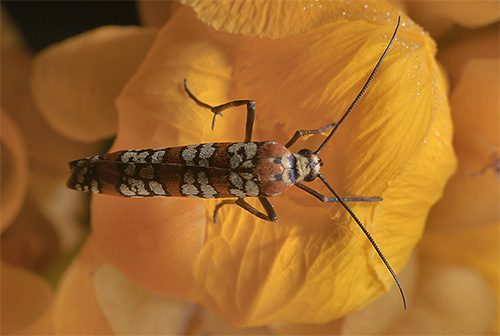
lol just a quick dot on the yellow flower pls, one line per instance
(303, 71)
(303, 63)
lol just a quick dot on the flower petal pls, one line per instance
(25, 302)
(75, 82)
(472, 233)
(31, 242)
(279, 19)
(151, 240)
(435, 15)
(14, 170)
(375, 319)
(385, 311)
(470, 312)
(134, 311)
(76, 309)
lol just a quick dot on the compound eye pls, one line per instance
(310, 177)
(306, 153)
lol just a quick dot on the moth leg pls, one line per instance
(270, 215)
(220, 205)
(325, 199)
(301, 133)
(217, 110)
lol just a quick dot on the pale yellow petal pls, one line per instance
(76, 82)
(76, 309)
(131, 310)
(477, 120)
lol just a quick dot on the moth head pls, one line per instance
(308, 165)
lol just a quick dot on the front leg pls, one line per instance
(217, 110)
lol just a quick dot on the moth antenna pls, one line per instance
(368, 235)
(362, 90)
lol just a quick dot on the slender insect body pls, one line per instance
(210, 170)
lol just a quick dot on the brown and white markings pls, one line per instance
(210, 170)
(232, 171)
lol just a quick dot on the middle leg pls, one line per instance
(217, 110)
(269, 216)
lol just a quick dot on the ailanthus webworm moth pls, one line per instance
(221, 170)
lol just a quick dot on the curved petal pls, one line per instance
(280, 19)
(475, 113)
(14, 170)
(75, 82)
(76, 309)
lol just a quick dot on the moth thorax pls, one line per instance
(307, 165)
